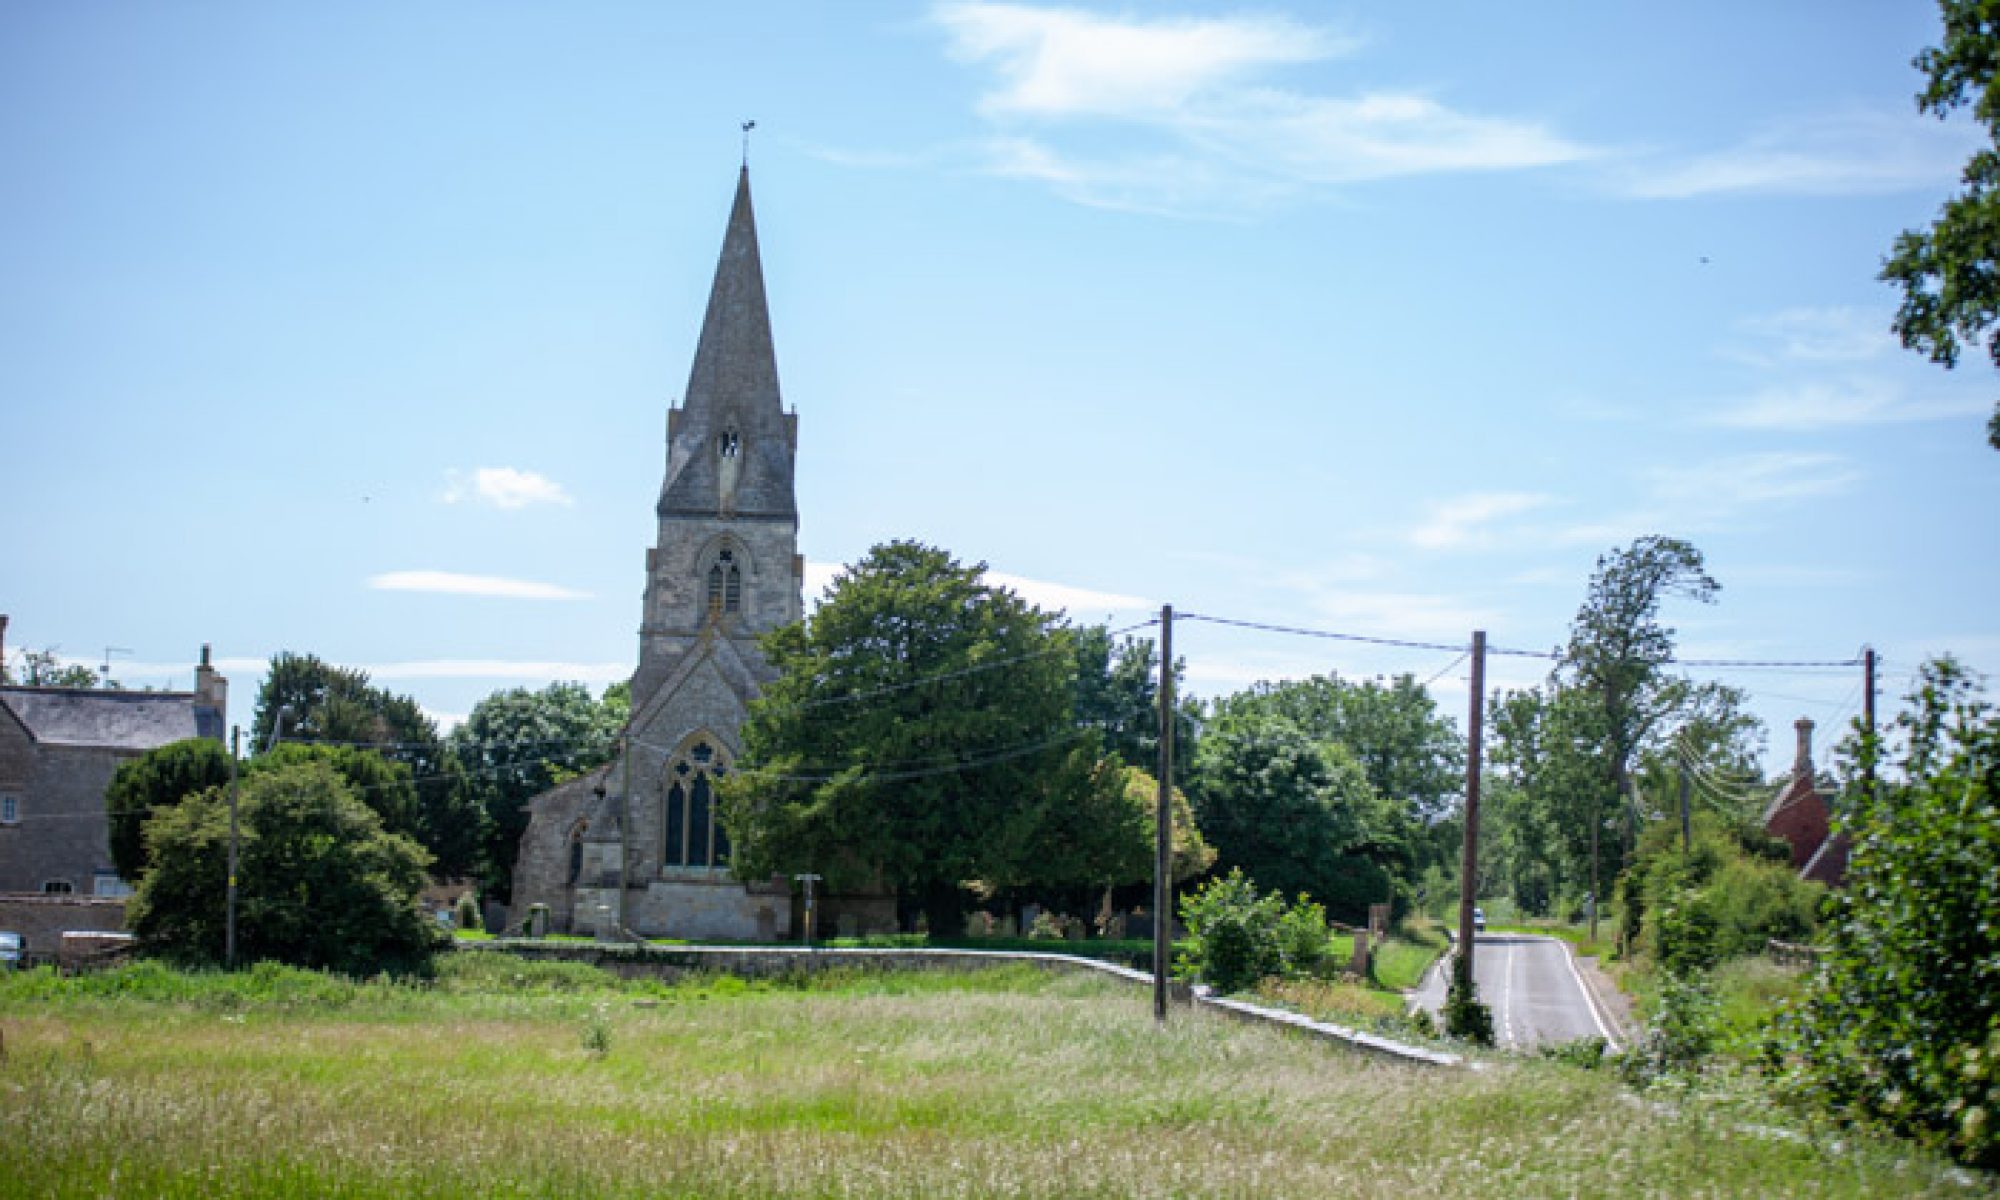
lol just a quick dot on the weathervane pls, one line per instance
(747, 127)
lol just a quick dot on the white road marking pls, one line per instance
(1590, 1001)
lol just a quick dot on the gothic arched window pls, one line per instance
(694, 838)
(725, 585)
(576, 851)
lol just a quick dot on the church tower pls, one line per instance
(638, 844)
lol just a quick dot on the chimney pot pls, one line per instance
(1804, 763)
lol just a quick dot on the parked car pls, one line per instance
(1479, 920)
(10, 951)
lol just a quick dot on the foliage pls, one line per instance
(1189, 855)
(467, 914)
(45, 668)
(1464, 1015)
(1298, 815)
(1727, 895)
(326, 703)
(1901, 1023)
(1118, 693)
(1235, 930)
(1681, 1034)
(158, 779)
(965, 762)
(1949, 274)
(518, 743)
(320, 884)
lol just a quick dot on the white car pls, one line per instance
(10, 950)
(1479, 920)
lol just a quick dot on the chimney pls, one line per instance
(210, 688)
(3, 639)
(1803, 767)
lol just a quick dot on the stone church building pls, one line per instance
(637, 844)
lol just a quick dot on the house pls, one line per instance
(1802, 813)
(59, 748)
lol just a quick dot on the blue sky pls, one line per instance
(352, 329)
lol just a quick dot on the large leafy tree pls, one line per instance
(329, 704)
(920, 734)
(1950, 273)
(1118, 693)
(320, 883)
(1902, 1022)
(1294, 813)
(158, 779)
(518, 743)
(1616, 659)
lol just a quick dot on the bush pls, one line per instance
(1900, 1025)
(1681, 1034)
(1235, 932)
(1304, 941)
(1464, 1016)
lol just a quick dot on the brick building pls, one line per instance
(1802, 814)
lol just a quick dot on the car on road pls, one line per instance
(10, 951)
(1479, 920)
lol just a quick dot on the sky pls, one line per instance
(352, 329)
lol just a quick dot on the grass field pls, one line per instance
(504, 1078)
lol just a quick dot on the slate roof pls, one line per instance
(110, 719)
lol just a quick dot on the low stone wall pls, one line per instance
(42, 920)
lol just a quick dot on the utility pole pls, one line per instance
(1868, 719)
(1468, 872)
(1687, 822)
(229, 917)
(1163, 831)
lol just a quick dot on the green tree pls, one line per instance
(1949, 274)
(320, 883)
(518, 743)
(1615, 662)
(920, 734)
(158, 779)
(1295, 814)
(45, 668)
(1118, 693)
(1901, 1023)
(326, 703)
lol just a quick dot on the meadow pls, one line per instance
(503, 1078)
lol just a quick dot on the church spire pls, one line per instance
(729, 447)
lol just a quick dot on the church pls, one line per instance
(636, 846)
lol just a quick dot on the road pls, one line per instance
(1535, 993)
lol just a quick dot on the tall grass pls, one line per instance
(1003, 1082)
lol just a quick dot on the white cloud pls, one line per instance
(501, 668)
(1809, 406)
(1079, 602)
(1225, 137)
(1817, 335)
(454, 584)
(1467, 520)
(1836, 154)
(503, 487)
(1692, 498)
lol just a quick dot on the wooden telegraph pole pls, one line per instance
(229, 917)
(1469, 863)
(1868, 718)
(1163, 831)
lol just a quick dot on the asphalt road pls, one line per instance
(1535, 993)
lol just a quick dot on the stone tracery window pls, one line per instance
(725, 585)
(694, 838)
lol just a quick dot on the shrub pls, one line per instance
(1464, 1016)
(1681, 1034)
(1304, 941)
(1235, 932)
(1900, 1025)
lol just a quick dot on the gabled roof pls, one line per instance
(112, 720)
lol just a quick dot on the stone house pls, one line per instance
(636, 845)
(1802, 813)
(59, 748)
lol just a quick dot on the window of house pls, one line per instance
(10, 809)
(694, 838)
(57, 887)
(106, 883)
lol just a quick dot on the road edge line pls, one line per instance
(1589, 995)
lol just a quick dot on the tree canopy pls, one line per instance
(160, 778)
(320, 883)
(518, 743)
(921, 734)
(1949, 274)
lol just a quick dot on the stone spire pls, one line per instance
(730, 444)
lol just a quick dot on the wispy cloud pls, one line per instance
(1837, 335)
(503, 487)
(1698, 497)
(1805, 407)
(1468, 520)
(454, 584)
(1223, 136)
(1833, 154)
